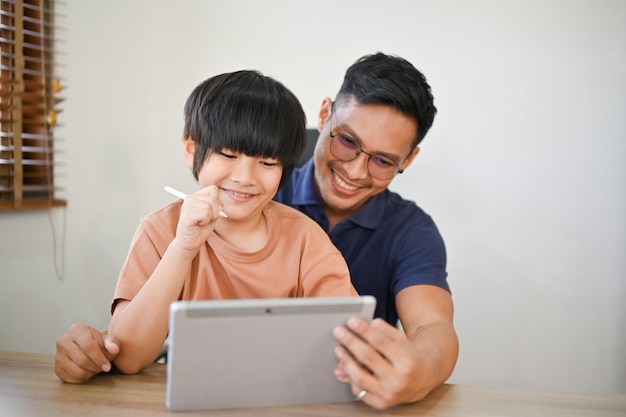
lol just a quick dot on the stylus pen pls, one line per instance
(182, 196)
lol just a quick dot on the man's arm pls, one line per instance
(395, 367)
(82, 353)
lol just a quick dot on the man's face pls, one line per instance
(345, 186)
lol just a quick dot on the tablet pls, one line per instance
(257, 352)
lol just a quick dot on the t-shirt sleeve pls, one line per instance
(141, 261)
(329, 277)
(149, 243)
(420, 257)
(325, 272)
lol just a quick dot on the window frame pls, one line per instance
(29, 104)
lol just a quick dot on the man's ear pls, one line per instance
(325, 111)
(409, 159)
(189, 150)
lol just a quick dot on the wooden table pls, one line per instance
(29, 387)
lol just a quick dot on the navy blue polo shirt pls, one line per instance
(389, 243)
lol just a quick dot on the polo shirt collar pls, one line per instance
(372, 214)
(304, 186)
(369, 216)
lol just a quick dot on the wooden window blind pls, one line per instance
(29, 153)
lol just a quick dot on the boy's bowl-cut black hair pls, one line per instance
(248, 112)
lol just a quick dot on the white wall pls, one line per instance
(524, 170)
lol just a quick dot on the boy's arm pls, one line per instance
(141, 324)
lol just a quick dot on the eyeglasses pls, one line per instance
(346, 149)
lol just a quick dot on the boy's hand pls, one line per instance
(82, 353)
(198, 215)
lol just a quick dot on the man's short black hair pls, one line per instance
(392, 81)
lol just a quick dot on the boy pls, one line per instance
(243, 134)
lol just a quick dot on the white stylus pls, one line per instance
(182, 196)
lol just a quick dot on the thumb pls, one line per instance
(112, 346)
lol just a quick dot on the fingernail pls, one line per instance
(106, 367)
(339, 332)
(353, 323)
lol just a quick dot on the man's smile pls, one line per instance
(343, 186)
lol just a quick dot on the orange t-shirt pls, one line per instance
(298, 260)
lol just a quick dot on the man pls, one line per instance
(368, 134)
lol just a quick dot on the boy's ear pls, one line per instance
(189, 150)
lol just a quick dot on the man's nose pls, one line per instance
(357, 168)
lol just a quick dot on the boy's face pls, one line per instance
(377, 129)
(246, 184)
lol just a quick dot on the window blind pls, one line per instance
(29, 105)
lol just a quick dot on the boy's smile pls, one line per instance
(238, 196)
